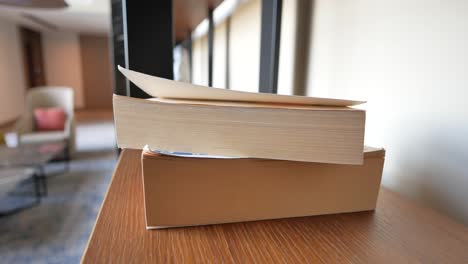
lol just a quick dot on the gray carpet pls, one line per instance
(57, 230)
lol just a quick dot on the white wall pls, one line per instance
(409, 59)
(219, 56)
(200, 61)
(245, 47)
(62, 61)
(286, 70)
(12, 79)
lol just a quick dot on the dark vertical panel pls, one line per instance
(228, 53)
(304, 22)
(269, 47)
(117, 45)
(210, 46)
(149, 39)
(190, 52)
(31, 42)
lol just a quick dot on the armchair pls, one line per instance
(48, 97)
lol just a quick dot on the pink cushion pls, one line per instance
(49, 119)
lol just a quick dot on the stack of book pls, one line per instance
(217, 156)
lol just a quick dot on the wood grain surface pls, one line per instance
(399, 231)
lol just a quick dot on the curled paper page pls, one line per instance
(186, 154)
(160, 87)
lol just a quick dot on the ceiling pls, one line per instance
(93, 16)
(83, 16)
(189, 13)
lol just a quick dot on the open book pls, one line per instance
(203, 120)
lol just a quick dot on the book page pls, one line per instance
(251, 104)
(160, 87)
(147, 149)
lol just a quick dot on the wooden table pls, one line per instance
(399, 231)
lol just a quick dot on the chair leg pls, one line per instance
(37, 186)
(43, 178)
(67, 156)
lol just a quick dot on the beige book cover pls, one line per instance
(184, 191)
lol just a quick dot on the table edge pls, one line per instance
(91, 235)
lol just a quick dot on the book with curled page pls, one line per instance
(183, 189)
(238, 124)
(160, 87)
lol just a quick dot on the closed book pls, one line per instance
(185, 191)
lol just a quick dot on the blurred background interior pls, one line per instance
(408, 59)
